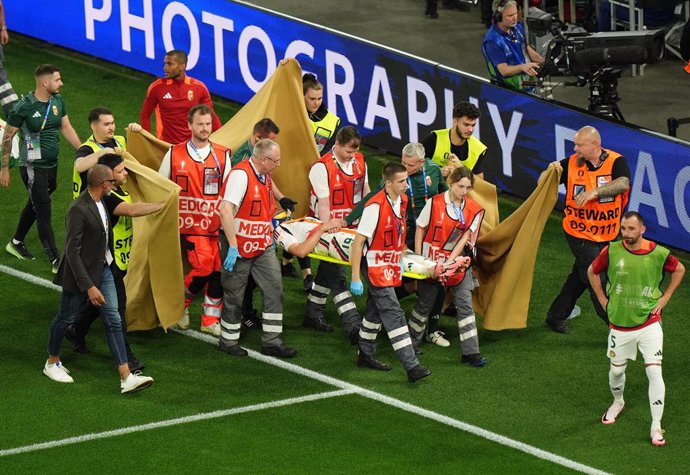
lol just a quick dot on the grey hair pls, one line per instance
(413, 149)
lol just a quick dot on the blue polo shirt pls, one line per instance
(499, 47)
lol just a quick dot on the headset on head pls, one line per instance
(498, 14)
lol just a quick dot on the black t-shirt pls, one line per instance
(460, 151)
(111, 202)
(620, 168)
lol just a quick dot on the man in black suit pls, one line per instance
(84, 273)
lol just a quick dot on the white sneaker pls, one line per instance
(135, 382)
(57, 372)
(575, 312)
(437, 339)
(657, 436)
(612, 413)
(183, 323)
(213, 329)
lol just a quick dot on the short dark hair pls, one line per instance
(44, 69)
(203, 108)
(95, 114)
(391, 169)
(348, 134)
(465, 109)
(634, 214)
(266, 126)
(460, 173)
(110, 160)
(309, 81)
(97, 174)
(180, 55)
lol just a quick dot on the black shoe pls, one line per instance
(354, 336)
(251, 322)
(287, 270)
(307, 282)
(557, 327)
(279, 351)
(134, 364)
(451, 310)
(318, 324)
(78, 341)
(364, 361)
(417, 373)
(234, 350)
(475, 359)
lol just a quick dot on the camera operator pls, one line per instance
(505, 48)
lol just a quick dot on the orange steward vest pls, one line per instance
(345, 190)
(599, 220)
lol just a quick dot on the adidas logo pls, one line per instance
(658, 353)
(167, 96)
(658, 402)
(37, 114)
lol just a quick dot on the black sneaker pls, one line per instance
(475, 360)
(233, 350)
(288, 270)
(364, 361)
(78, 341)
(557, 327)
(19, 251)
(354, 336)
(279, 351)
(318, 324)
(417, 373)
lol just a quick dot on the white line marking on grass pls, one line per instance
(30, 278)
(354, 389)
(173, 422)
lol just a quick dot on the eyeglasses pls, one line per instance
(277, 162)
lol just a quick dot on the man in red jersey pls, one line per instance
(171, 98)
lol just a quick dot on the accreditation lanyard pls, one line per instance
(196, 151)
(45, 116)
(340, 169)
(458, 211)
(103, 146)
(426, 188)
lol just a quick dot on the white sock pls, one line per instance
(15, 242)
(617, 382)
(657, 393)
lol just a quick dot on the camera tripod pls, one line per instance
(603, 93)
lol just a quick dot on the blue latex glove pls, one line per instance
(356, 288)
(231, 258)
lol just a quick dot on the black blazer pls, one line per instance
(83, 255)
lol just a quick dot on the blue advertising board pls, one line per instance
(393, 98)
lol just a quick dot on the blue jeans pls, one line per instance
(71, 302)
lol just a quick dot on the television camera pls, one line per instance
(594, 59)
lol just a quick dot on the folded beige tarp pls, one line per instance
(507, 255)
(154, 282)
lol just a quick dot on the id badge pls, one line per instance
(33, 147)
(211, 181)
(358, 188)
(453, 239)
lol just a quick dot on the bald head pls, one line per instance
(588, 143)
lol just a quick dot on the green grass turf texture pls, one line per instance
(540, 388)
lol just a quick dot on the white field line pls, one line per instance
(373, 395)
(204, 416)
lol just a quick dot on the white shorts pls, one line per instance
(623, 345)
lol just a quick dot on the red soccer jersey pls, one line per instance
(171, 100)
